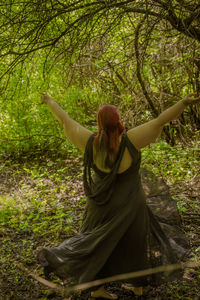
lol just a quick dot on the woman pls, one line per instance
(119, 234)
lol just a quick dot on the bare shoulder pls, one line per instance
(145, 134)
(77, 134)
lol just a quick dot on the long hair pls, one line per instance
(107, 140)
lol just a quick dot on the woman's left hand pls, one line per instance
(191, 99)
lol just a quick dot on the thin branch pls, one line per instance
(138, 65)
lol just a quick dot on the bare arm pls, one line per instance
(77, 134)
(147, 133)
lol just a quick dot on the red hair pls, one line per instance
(107, 140)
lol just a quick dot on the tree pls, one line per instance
(112, 42)
(65, 26)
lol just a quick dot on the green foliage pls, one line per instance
(27, 126)
(178, 166)
(177, 163)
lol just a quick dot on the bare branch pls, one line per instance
(139, 76)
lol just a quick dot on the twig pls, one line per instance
(43, 281)
(195, 214)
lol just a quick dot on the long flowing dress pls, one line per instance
(124, 228)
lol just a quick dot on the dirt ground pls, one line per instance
(22, 245)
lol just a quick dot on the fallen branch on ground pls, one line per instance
(121, 277)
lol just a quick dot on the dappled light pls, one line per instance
(61, 61)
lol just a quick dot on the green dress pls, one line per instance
(124, 229)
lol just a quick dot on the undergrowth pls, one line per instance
(37, 196)
(177, 163)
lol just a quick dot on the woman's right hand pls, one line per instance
(45, 98)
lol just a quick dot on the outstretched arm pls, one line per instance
(147, 133)
(77, 134)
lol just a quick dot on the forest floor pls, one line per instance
(41, 203)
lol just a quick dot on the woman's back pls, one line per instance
(124, 165)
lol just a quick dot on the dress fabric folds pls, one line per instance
(130, 223)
